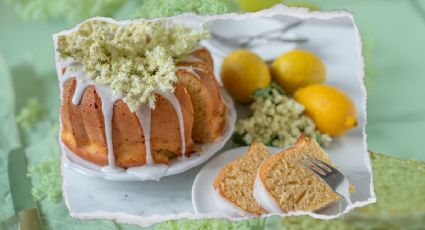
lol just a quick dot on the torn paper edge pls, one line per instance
(301, 13)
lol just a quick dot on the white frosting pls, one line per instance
(190, 69)
(108, 101)
(192, 58)
(176, 105)
(227, 207)
(144, 116)
(264, 198)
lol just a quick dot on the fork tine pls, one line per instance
(313, 170)
(331, 168)
(311, 161)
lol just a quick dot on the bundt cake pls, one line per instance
(101, 124)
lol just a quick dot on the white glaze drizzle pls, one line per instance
(79, 91)
(108, 101)
(144, 116)
(177, 107)
(190, 69)
(192, 58)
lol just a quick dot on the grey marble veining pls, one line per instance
(170, 195)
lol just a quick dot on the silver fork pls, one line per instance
(334, 178)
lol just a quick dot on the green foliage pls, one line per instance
(30, 113)
(47, 175)
(163, 8)
(72, 10)
(75, 10)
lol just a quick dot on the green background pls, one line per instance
(393, 33)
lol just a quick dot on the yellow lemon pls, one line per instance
(331, 109)
(256, 5)
(310, 6)
(296, 69)
(242, 73)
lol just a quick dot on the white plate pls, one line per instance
(230, 28)
(176, 166)
(203, 190)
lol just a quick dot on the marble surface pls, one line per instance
(170, 195)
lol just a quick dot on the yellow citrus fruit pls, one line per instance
(256, 5)
(242, 73)
(296, 69)
(310, 6)
(331, 109)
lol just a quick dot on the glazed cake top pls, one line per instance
(135, 59)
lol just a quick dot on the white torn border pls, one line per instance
(301, 13)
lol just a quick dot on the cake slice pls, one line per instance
(235, 182)
(283, 184)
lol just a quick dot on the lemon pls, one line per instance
(256, 5)
(296, 69)
(242, 73)
(331, 109)
(308, 5)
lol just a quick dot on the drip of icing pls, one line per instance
(78, 74)
(177, 107)
(190, 69)
(79, 91)
(227, 207)
(149, 171)
(144, 116)
(108, 100)
(264, 198)
(192, 58)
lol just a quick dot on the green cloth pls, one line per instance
(393, 33)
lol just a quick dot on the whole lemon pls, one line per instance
(296, 69)
(242, 73)
(331, 109)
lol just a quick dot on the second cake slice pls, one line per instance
(284, 185)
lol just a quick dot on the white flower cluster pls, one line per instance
(277, 120)
(135, 60)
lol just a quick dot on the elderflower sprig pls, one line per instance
(135, 60)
